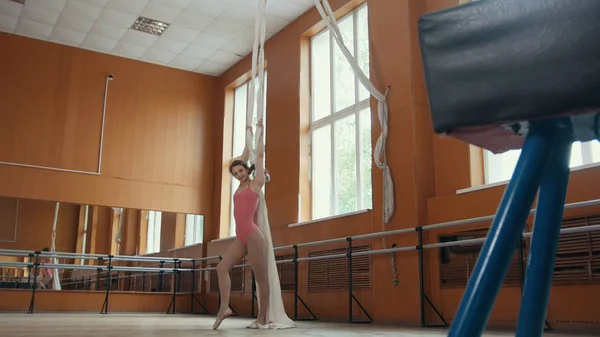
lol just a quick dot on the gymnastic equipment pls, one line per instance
(508, 74)
(104, 262)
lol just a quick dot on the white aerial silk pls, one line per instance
(55, 274)
(276, 315)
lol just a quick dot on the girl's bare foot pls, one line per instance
(221, 317)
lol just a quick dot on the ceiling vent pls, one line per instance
(150, 26)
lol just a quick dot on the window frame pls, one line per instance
(587, 159)
(198, 220)
(156, 231)
(331, 119)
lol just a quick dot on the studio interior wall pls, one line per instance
(157, 137)
(427, 170)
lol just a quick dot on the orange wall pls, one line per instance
(158, 132)
(427, 170)
(394, 62)
(90, 301)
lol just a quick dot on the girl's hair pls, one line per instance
(241, 163)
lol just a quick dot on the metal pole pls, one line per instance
(295, 282)
(193, 286)
(497, 251)
(108, 284)
(160, 277)
(34, 285)
(544, 241)
(421, 276)
(349, 269)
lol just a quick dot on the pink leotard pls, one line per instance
(245, 203)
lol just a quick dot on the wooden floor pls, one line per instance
(162, 325)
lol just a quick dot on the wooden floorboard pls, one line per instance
(180, 325)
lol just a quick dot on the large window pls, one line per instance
(340, 121)
(154, 230)
(194, 229)
(500, 167)
(239, 130)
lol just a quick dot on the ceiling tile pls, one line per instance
(165, 44)
(186, 62)
(129, 50)
(211, 8)
(111, 32)
(8, 23)
(211, 68)
(98, 43)
(242, 16)
(182, 34)
(241, 44)
(161, 13)
(224, 57)
(224, 28)
(82, 10)
(305, 3)
(100, 3)
(134, 7)
(139, 38)
(285, 10)
(66, 36)
(33, 29)
(53, 5)
(179, 4)
(74, 23)
(198, 52)
(205, 36)
(275, 24)
(210, 41)
(10, 8)
(193, 21)
(40, 15)
(158, 56)
(116, 18)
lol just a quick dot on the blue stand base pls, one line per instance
(544, 161)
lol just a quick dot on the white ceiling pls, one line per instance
(204, 36)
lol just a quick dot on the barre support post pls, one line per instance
(34, 285)
(104, 309)
(296, 295)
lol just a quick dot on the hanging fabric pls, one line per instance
(55, 274)
(276, 315)
(379, 155)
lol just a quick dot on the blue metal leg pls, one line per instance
(544, 242)
(505, 232)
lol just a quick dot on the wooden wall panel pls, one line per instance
(34, 227)
(8, 219)
(158, 144)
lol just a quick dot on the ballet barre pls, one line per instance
(419, 248)
(106, 262)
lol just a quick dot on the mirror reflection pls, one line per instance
(48, 226)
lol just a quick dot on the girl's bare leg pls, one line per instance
(256, 254)
(234, 254)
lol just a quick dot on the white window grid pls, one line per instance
(354, 109)
(194, 229)
(154, 229)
